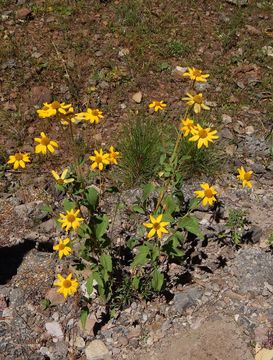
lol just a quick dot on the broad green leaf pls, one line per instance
(141, 257)
(147, 189)
(106, 262)
(101, 228)
(191, 224)
(138, 209)
(84, 315)
(92, 198)
(68, 205)
(98, 278)
(171, 247)
(170, 204)
(157, 280)
(47, 209)
(162, 158)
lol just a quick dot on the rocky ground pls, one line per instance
(220, 306)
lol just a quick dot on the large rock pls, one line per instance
(96, 350)
(253, 267)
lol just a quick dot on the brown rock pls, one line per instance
(252, 30)
(39, 95)
(23, 13)
(54, 297)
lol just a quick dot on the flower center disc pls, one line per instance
(197, 99)
(67, 284)
(247, 176)
(18, 157)
(70, 218)
(55, 105)
(156, 226)
(61, 246)
(95, 113)
(203, 134)
(60, 181)
(98, 159)
(208, 193)
(45, 141)
(197, 73)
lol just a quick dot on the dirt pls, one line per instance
(216, 339)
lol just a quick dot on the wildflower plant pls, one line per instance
(165, 218)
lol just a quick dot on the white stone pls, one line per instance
(137, 97)
(96, 350)
(54, 329)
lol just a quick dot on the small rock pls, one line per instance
(54, 329)
(9, 106)
(40, 95)
(23, 13)
(200, 87)
(99, 53)
(79, 342)
(137, 97)
(123, 341)
(226, 119)
(231, 149)
(186, 299)
(249, 130)
(227, 134)
(96, 350)
(135, 332)
(89, 325)
(179, 71)
(54, 297)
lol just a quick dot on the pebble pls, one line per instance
(23, 13)
(137, 97)
(54, 329)
(123, 340)
(79, 342)
(96, 350)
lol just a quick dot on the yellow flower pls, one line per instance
(113, 155)
(245, 176)
(49, 110)
(187, 126)
(196, 75)
(67, 286)
(207, 194)
(19, 160)
(70, 220)
(61, 180)
(99, 159)
(45, 144)
(196, 101)
(203, 135)
(92, 115)
(157, 226)
(157, 105)
(66, 115)
(62, 248)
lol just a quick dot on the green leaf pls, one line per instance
(68, 205)
(147, 190)
(193, 203)
(170, 204)
(138, 209)
(141, 257)
(101, 228)
(92, 198)
(162, 158)
(171, 247)
(83, 316)
(191, 224)
(131, 243)
(47, 209)
(157, 280)
(136, 282)
(89, 284)
(106, 262)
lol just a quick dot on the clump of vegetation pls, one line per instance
(235, 222)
